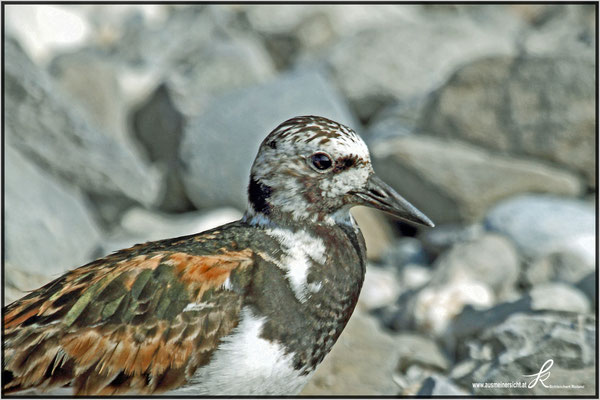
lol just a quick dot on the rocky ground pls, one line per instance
(131, 123)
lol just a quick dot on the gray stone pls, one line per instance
(554, 297)
(558, 296)
(543, 224)
(404, 251)
(217, 67)
(208, 58)
(90, 80)
(524, 343)
(430, 309)
(437, 305)
(560, 30)
(380, 288)
(414, 276)
(215, 172)
(398, 119)
(562, 266)
(41, 124)
(406, 60)
(295, 34)
(451, 181)
(420, 350)
(491, 259)
(30, 25)
(362, 362)
(144, 45)
(399, 317)
(49, 227)
(470, 322)
(587, 285)
(213, 63)
(139, 225)
(541, 107)
(376, 229)
(17, 282)
(444, 236)
(462, 369)
(158, 126)
(438, 385)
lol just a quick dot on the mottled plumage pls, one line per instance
(251, 307)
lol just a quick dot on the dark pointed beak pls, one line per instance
(380, 195)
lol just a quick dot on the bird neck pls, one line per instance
(268, 206)
(293, 221)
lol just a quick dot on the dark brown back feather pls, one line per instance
(118, 325)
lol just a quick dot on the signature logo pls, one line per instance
(541, 376)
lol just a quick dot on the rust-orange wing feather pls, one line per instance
(138, 321)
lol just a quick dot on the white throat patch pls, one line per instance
(300, 248)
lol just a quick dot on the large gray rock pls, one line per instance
(152, 46)
(491, 259)
(376, 229)
(158, 126)
(547, 297)
(444, 236)
(362, 362)
(543, 224)
(420, 350)
(219, 146)
(400, 118)
(407, 59)
(470, 322)
(207, 58)
(560, 266)
(90, 79)
(41, 124)
(217, 67)
(524, 343)
(18, 282)
(453, 181)
(414, 276)
(190, 71)
(542, 107)
(404, 251)
(194, 78)
(432, 308)
(562, 29)
(293, 34)
(49, 227)
(587, 285)
(30, 25)
(558, 296)
(139, 225)
(380, 288)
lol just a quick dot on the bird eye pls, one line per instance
(321, 161)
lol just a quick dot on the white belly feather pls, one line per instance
(245, 363)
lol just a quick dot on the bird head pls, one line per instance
(314, 169)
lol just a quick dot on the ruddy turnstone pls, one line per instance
(250, 307)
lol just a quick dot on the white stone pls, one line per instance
(379, 288)
(558, 296)
(436, 306)
(45, 29)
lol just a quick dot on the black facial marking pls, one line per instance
(344, 163)
(258, 195)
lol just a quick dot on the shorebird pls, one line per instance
(250, 307)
